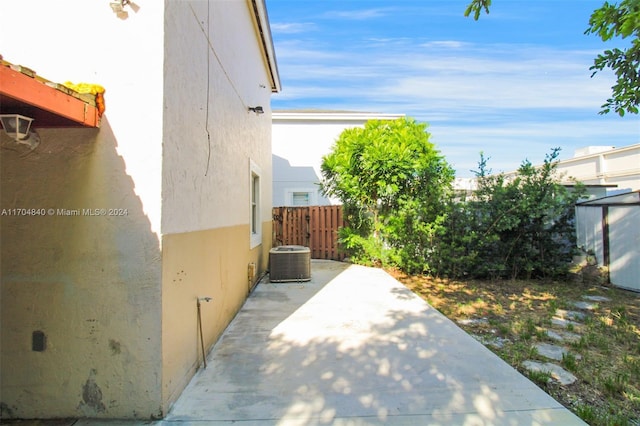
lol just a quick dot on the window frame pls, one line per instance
(289, 196)
(255, 205)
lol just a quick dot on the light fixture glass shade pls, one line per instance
(16, 125)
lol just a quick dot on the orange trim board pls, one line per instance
(30, 91)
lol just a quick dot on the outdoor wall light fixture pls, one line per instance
(118, 8)
(16, 125)
(257, 109)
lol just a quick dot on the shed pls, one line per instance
(610, 227)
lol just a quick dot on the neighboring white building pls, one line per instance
(112, 230)
(300, 138)
(613, 170)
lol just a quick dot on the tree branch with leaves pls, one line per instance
(608, 22)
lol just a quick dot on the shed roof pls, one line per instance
(50, 104)
(628, 198)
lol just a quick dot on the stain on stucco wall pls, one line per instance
(91, 403)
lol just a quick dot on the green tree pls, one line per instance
(388, 175)
(609, 21)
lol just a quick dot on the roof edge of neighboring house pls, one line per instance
(259, 9)
(311, 114)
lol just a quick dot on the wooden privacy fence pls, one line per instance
(315, 227)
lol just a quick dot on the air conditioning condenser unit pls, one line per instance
(289, 264)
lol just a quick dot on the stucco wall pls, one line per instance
(288, 180)
(303, 138)
(84, 41)
(175, 150)
(91, 284)
(214, 71)
(88, 281)
(212, 263)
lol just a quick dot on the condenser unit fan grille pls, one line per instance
(289, 264)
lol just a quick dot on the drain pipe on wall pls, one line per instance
(252, 278)
(251, 275)
(202, 299)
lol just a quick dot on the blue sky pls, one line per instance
(514, 84)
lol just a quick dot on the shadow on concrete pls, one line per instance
(354, 346)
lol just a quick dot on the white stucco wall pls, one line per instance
(214, 72)
(304, 137)
(84, 41)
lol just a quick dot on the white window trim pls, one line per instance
(255, 234)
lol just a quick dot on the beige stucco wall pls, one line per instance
(89, 283)
(617, 166)
(214, 71)
(211, 263)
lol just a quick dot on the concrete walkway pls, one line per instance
(355, 347)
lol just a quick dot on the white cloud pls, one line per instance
(445, 44)
(292, 27)
(510, 101)
(358, 14)
(488, 78)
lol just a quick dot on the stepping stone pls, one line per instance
(496, 342)
(572, 315)
(586, 306)
(473, 321)
(558, 373)
(561, 322)
(597, 298)
(563, 336)
(552, 351)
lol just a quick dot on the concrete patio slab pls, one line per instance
(355, 347)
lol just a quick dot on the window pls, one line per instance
(254, 190)
(255, 195)
(300, 198)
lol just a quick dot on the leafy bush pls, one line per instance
(399, 203)
(512, 228)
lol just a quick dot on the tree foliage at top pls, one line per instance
(609, 21)
(619, 21)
